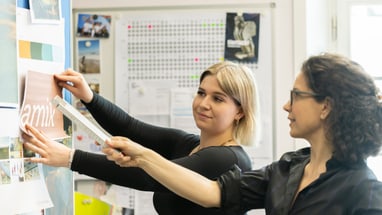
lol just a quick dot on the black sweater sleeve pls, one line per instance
(165, 141)
(210, 162)
(97, 166)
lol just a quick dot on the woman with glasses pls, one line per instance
(335, 106)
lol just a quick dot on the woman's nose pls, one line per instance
(205, 102)
(287, 107)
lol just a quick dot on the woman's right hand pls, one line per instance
(76, 84)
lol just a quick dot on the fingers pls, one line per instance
(35, 138)
(118, 142)
(75, 83)
(37, 160)
(34, 149)
(36, 133)
(112, 154)
(118, 157)
(33, 144)
(68, 81)
(128, 155)
(69, 78)
(51, 153)
(68, 72)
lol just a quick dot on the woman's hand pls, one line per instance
(76, 84)
(51, 152)
(123, 151)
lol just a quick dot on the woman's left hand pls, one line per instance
(51, 153)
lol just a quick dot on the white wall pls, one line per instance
(283, 52)
(301, 28)
(312, 33)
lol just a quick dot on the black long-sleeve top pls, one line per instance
(173, 144)
(341, 190)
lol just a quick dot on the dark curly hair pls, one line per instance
(354, 125)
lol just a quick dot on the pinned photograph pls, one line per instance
(88, 56)
(45, 11)
(242, 37)
(5, 175)
(93, 25)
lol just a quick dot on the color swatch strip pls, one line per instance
(40, 51)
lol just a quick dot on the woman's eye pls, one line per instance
(218, 99)
(200, 93)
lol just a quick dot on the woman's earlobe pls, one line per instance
(239, 116)
(327, 107)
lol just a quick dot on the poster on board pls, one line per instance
(89, 56)
(242, 37)
(45, 11)
(93, 25)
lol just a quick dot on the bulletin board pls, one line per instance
(159, 55)
(25, 187)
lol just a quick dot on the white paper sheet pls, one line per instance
(151, 97)
(181, 109)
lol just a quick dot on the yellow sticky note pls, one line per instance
(85, 204)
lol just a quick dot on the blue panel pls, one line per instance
(23, 4)
(66, 9)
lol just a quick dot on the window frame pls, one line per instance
(341, 32)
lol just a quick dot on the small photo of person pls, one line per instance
(45, 11)
(93, 25)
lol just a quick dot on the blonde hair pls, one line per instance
(237, 81)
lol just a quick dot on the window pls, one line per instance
(365, 37)
(359, 36)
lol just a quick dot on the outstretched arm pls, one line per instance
(178, 179)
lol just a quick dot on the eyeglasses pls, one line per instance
(295, 93)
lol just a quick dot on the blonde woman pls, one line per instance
(225, 109)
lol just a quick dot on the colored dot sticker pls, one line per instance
(195, 77)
